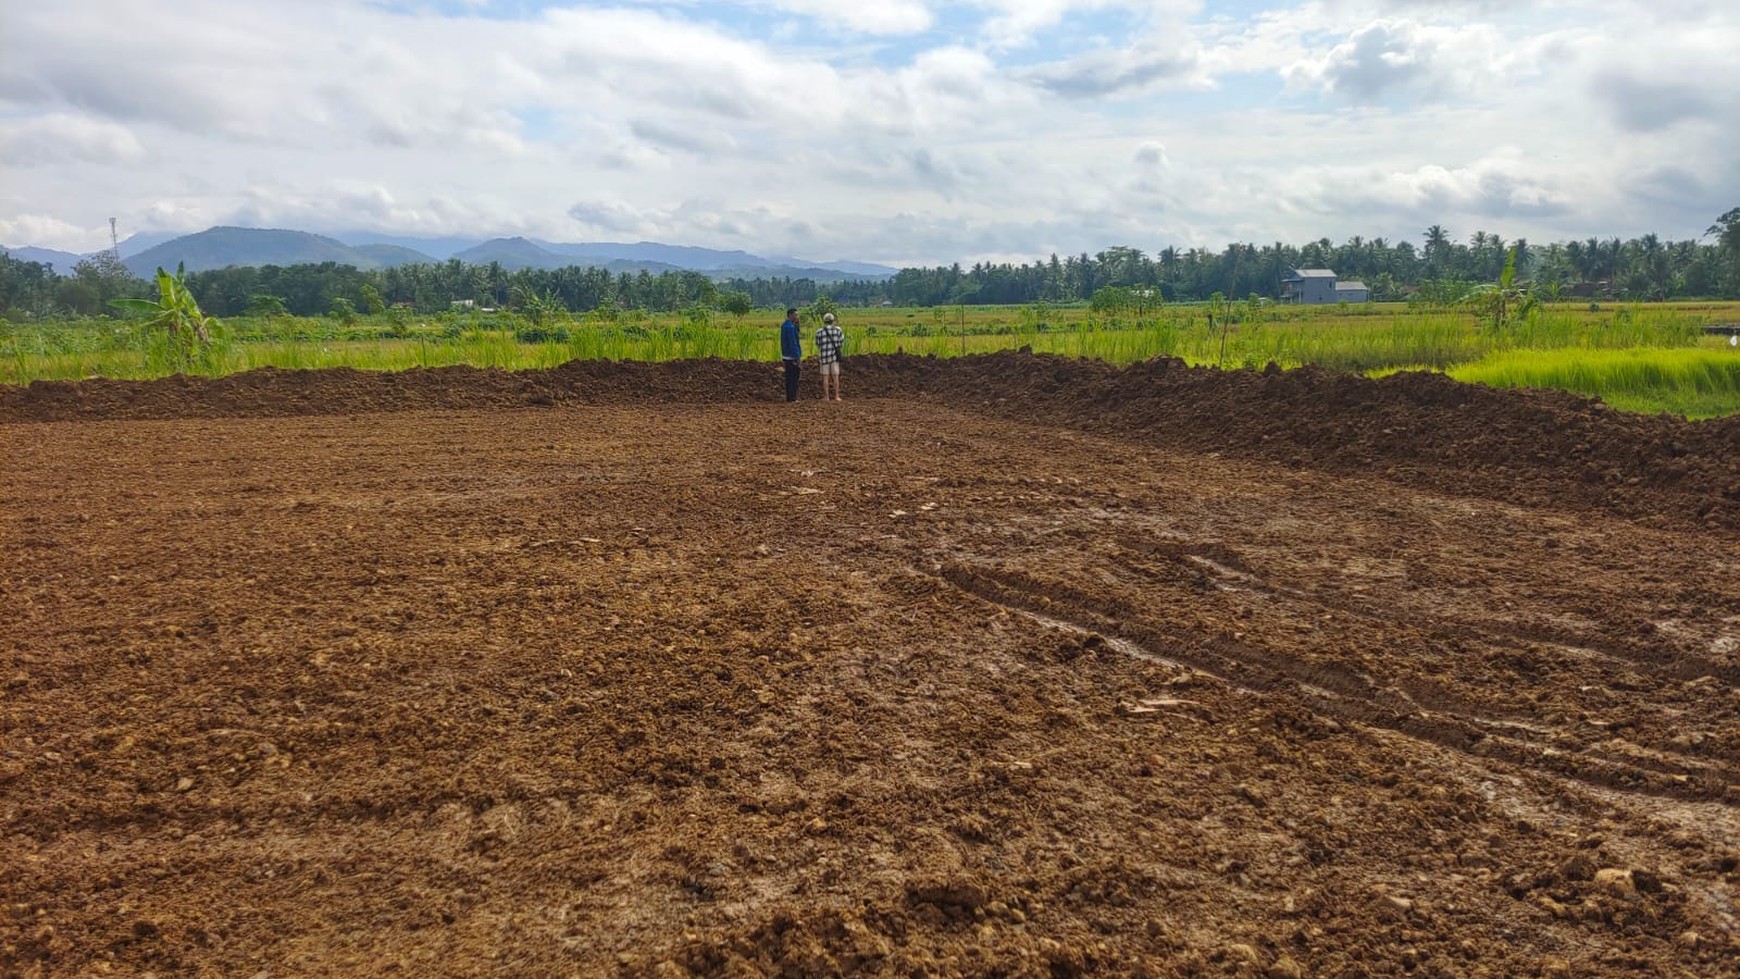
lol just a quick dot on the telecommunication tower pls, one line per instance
(114, 240)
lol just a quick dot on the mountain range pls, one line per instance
(222, 247)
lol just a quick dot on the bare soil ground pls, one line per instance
(1010, 666)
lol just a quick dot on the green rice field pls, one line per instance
(1649, 358)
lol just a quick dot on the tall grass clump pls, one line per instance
(1424, 339)
(1625, 328)
(1694, 382)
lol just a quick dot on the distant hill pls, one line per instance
(647, 256)
(690, 257)
(440, 249)
(867, 270)
(136, 243)
(523, 253)
(513, 253)
(217, 248)
(721, 264)
(820, 273)
(615, 256)
(390, 256)
(221, 247)
(61, 262)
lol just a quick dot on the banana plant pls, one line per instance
(540, 307)
(175, 312)
(1507, 303)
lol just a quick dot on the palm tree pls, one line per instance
(1578, 259)
(1727, 232)
(1612, 257)
(1169, 262)
(1437, 240)
(1654, 268)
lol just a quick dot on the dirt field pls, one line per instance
(1009, 666)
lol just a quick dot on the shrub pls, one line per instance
(541, 334)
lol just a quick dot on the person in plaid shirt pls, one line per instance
(829, 340)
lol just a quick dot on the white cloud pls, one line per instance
(1118, 72)
(1491, 188)
(1375, 59)
(1152, 153)
(1643, 105)
(60, 137)
(1386, 59)
(901, 131)
(1017, 22)
(943, 91)
(607, 217)
(44, 230)
(877, 17)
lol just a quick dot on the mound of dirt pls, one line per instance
(271, 392)
(1421, 429)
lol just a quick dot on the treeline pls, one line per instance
(32, 288)
(1645, 268)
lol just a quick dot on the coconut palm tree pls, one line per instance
(1437, 242)
(1726, 231)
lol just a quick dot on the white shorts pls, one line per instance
(831, 370)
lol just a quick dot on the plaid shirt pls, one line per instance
(829, 340)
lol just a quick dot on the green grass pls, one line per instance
(1373, 338)
(1694, 382)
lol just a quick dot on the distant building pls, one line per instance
(1308, 287)
(1316, 287)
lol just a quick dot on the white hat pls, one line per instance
(827, 317)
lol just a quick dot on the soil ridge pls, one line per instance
(1418, 428)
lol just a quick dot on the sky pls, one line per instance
(909, 132)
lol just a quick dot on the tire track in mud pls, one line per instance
(1327, 688)
(1228, 564)
(1229, 571)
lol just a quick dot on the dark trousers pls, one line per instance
(791, 380)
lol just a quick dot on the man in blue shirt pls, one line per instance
(790, 352)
